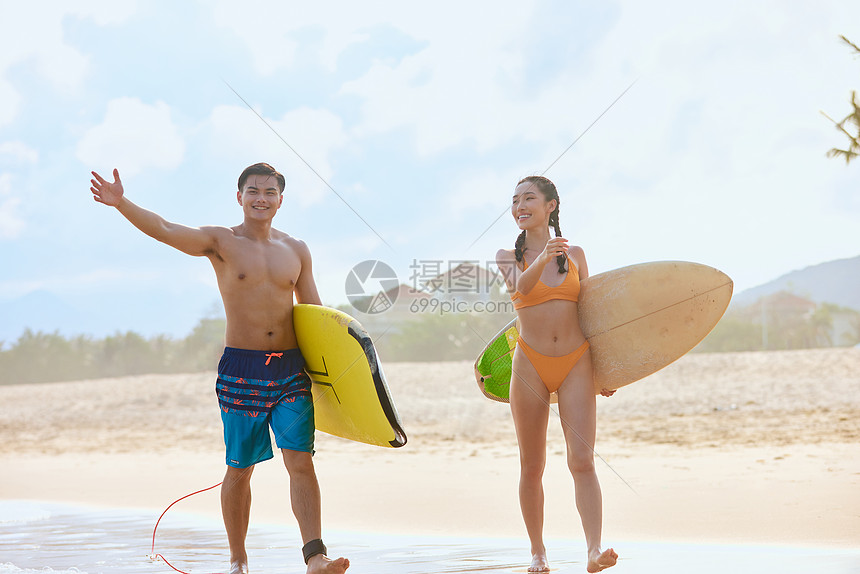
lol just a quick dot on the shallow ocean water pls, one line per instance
(46, 538)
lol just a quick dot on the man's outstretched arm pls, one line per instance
(190, 240)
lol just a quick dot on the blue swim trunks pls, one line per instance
(258, 389)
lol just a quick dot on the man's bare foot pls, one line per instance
(539, 563)
(238, 568)
(320, 563)
(598, 561)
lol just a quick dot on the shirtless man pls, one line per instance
(261, 381)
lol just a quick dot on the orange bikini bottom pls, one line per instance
(552, 370)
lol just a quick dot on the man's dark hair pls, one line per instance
(261, 169)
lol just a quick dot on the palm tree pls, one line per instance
(852, 120)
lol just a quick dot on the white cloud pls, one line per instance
(19, 152)
(133, 136)
(32, 33)
(11, 223)
(102, 12)
(9, 102)
(480, 196)
(464, 86)
(62, 65)
(458, 88)
(269, 46)
(276, 47)
(238, 134)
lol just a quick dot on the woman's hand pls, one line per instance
(607, 392)
(554, 247)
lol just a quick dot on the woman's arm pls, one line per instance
(529, 278)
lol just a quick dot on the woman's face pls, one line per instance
(530, 208)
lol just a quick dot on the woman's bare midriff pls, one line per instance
(551, 328)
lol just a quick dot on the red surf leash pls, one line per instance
(155, 557)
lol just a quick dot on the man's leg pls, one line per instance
(305, 502)
(236, 510)
(304, 493)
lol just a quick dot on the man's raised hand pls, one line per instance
(105, 191)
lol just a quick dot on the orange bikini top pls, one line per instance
(568, 290)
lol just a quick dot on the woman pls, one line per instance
(552, 355)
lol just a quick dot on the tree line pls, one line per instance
(777, 322)
(772, 325)
(48, 357)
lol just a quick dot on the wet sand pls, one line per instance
(50, 538)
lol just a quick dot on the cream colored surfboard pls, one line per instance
(637, 319)
(640, 318)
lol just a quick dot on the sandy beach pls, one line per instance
(752, 448)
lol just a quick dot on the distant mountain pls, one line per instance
(835, 282)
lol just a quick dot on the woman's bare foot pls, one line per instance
(601, 561)
(539, 562)
(238, 568)
(322, 564)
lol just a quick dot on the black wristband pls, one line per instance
(313, 548)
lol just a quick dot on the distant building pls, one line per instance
(396, 306)
(801, 323)
(781, 303)
(455, 290)
(467, 281)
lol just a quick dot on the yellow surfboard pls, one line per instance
(351, 397)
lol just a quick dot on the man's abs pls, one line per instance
(261, 328)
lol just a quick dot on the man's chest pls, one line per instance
(254, 265)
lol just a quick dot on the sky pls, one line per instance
(402, 129)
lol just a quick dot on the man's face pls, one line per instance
(260, 197)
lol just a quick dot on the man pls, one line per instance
(261, 381)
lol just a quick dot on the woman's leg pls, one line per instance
(530, 410)
(577, 408)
